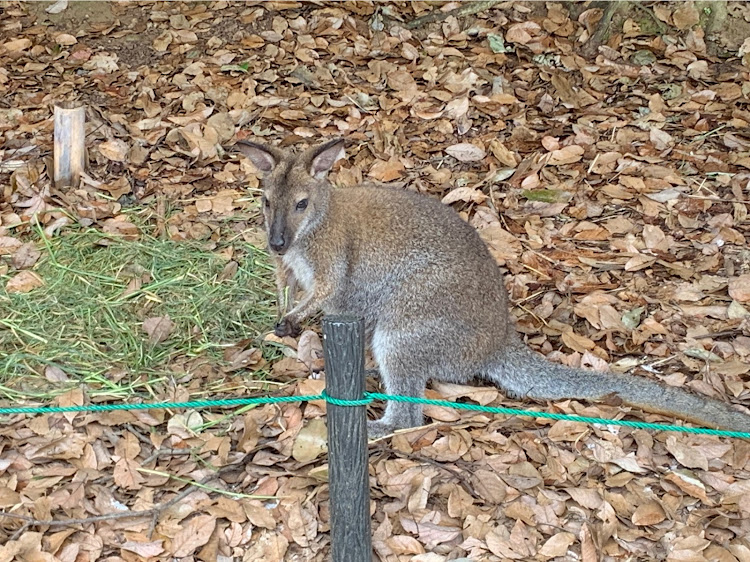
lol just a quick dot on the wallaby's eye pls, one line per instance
(302, 205)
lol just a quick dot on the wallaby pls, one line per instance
(431, 295)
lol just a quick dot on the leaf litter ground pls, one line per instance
(613, 189)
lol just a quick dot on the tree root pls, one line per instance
(466, 9)
(604, 27)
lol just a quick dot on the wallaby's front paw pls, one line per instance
(379, 428)
(285, 327)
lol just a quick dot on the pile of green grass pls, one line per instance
(83, 322)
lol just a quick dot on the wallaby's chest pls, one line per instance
(301, 268)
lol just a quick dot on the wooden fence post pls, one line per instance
(343, 348)
(69, 145)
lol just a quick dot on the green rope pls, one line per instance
(194, 404)
(369, 397)
(552, 416)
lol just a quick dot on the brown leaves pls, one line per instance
(613, 190)
(310, 350)
(523, 33)
(468, 194)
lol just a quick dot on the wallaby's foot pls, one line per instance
(286, 327)
(379, 428)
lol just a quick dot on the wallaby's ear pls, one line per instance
(321, 158)
(263, 157)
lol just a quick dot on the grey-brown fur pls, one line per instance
(433, 298)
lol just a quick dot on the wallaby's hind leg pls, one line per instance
(402, 372)
(398, 415)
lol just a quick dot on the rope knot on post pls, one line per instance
(341, 402)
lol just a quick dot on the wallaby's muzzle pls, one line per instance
(278, 240)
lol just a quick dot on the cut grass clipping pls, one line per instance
(88, 317)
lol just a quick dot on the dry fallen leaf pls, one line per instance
(468, 194)
(9, 245)
(192, 535)
(386, 170)
(115, 150)
(466, 152)
(311, 441)
(23, 282)
(566, 155)
(685, 16)
(126, 474)
(504, 155)
(158, 328)
(239, 358)
(687, 455)
(648, 513)
(26, 256)
(121, 227)
(310, 350)
(739, 288)
(54, 373)
(17, 45)
(57, 7)
(184, 425)
(149, 549)
(557, 545)
(522, 32)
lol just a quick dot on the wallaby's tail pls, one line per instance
(524, 373)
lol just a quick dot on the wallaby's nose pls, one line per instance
(277, 243)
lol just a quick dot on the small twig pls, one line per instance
(161, 214)
(466, 9)
(152, 512)
(21, 531)
(540, 273)
(704, 136)
(30, 521)
(533, 314)
(718, 199)
(658, 363)
(716, 334)
(142, 438)
(421, 458)
(164, 452)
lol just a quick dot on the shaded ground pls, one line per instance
(613, 190)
